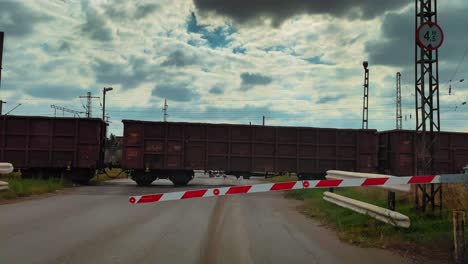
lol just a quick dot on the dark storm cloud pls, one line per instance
(244, 11)
(175, 92)
(396, 47)
(180, 59)
(216, 90)
(95, 27)
(18, 20)
(55, 91)
(249, 80)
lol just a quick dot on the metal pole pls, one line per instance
(391, 201)
(459, 236)
(103, 104)
(365, 103)
(2, 36)
(263, 122)
(399, 116)
(1, 106)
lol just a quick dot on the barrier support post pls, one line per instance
(391, 201)
(459, 236)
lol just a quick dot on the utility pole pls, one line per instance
(399, 116)
(104, 91)
(428, 38)
(263, 122)
(88, 97)
(365, 103)
(165, 115)
(2, 36)
(1, 106)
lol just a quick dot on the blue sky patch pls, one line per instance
(218, 38)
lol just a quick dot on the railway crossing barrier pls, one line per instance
(297, 185)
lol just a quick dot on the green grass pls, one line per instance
(366, 231)
(283, 178)
(19, 187)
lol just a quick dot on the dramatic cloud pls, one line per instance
(129, 75)
(221, 62)
(55, 91)
(249, 80)
(395, 46)
(145, 10)
(174, 92)
(329, 99)
(17, 19)
(118, 10)
(244, 11)
(95, 26)
(216, 90)
(179, 59)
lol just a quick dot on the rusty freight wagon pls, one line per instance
(52, 146)
(173, 150)
(399, 155)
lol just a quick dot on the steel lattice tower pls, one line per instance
(426, 103)
(399, 116)
(89, 104)
(365, 103)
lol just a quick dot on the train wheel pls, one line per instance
(182, 178)
(143, 178)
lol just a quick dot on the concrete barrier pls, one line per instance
(6, 168)
(379, 213)
(3, 185)
(335, 174)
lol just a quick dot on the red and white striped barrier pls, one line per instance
(295, 185)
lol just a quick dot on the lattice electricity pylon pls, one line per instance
(365, 102)
(426, 105)
(89, 104)
(399, 116)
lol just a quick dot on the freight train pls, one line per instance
(74, 148)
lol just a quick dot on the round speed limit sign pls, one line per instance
(430, 36)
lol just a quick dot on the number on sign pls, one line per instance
(426, 36)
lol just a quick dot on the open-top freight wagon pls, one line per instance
(174, 150)
(399, 155)
(52, 146)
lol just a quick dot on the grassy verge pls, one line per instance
(19, 187)
(433, 230)
(283, 178)
(109, 175)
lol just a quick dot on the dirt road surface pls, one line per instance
(96, 224)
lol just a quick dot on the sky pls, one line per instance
(297, 62)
